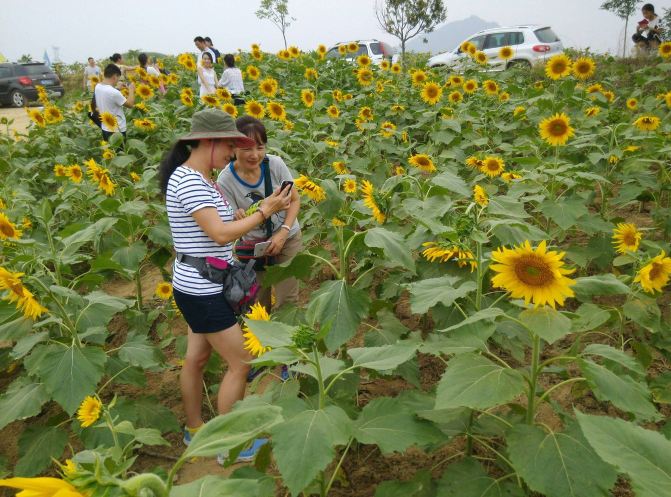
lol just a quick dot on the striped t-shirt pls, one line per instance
(188, 191)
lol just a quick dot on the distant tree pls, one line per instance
(624, 9)
(666, 24)
(277, 12)
(25, 58)
(405, 19)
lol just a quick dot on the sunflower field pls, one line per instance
(484, 310)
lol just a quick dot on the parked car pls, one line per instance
(375, 49)
(17, 82)
(531, 43)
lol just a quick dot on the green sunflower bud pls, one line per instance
(304, 337)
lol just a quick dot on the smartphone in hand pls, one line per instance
(261, 248)
(286, 185)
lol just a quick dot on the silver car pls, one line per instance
(530, 44)
(377, 51)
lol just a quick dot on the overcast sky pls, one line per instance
(93, 27)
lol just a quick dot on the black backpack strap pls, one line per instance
(265, 166)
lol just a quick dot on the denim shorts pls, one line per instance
(205, 313)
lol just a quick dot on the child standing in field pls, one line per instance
(648, 31)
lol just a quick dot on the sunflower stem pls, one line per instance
(320, 379)
(478, 295)
(535, 359)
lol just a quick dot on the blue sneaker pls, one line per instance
(284, 373)
(246, 455)
(254, 372)
(188, 434)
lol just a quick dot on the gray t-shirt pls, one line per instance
(242, 195)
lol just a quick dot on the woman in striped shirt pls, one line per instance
(201, 223)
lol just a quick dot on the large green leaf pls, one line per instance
(394, 246)
(467, 338)
(467, 478)
(643, 455)
(452, 182)
(232, 429)
(217, 486)
(624, 392)
(602, 284)
(271, 333)
(69, 373)
(340, 305)
(485, 314)
(565, 213)
(547, 323)
(643, 311)
(387, 423)
(305, 444)
(615, 355)
(37, 446)
(427, 293)
(22, 399)
(384, 358)
(559, 464)
(420, 486)
(88, 234)
(99, 309)
(131, 256)
(474, 381)
(138, 351)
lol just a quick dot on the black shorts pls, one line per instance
(205, 313)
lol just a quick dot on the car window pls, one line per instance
(32, 70)
(516, 38)
(5, 72)
(363, 50)
(496, 40)
(333, 53)
(546, 35)
(376, 48)
(478, 41)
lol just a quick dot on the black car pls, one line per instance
(17, 83)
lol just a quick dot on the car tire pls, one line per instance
(18, 99)
(519, 63)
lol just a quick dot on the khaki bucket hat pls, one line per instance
(215, 124)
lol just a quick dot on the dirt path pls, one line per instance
(18, 118)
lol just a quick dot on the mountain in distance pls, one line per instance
(449, 35)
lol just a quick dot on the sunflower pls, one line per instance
(559, 66)
(363, 60)
(583, 68)
(594, 88)
(632, 103)
(135, 177)
(164, 290)
(518, 111)
(352, 47)
(342, 49)
(60, 170)
(294, 51)
(473, 162)
(269, 87)
(52, 114)
(491, 87)
(379, 86)
(480, 196)
(8, 229)
(364, 76)
(396, 108)
(465, 47)
(506, 53)
(186, 99)
(508, 177)
(445, 252)
(480, 57)
(655, 275)
(422, 162)
(37, 117)
(252, 343)
(349, 186)
(231, 109)
(366, 114)
(339, 167)
(94, 170)
(252, 72)
(188, 62)
(385, 65)
(276, 111)
(109, 120)
(456, 80)
(142, 107)
(224, 95)
(89, 411)
(536, 275)
(470, 86)
(310, 73)
(664, 49)
(106, 184)
(647, 123)
(42, 486)
(631, 148)
(387, 129)
(257, 54)
(331, 143)
(310, 189)
(592, 111)
(396, 68)
(418, 77)
(504, 96)
(610, 96)
(321, 50)
(613, 159)
(455, 97)
(492, 166)
(431, 93)
(538, 85)
(337, 223)
(108, 154)
(255, 109)
(210, 100)
(667, 99)
(626, 238)
(144, 124)
(368, 193)
(333, 111)
(284, 54)
(556, 130)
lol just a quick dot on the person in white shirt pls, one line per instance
(110, 100)
(207, 78)
(231, 79)
(648, 31)
(90, 70)
(202, 47)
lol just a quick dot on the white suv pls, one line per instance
(530, 43)
(375, 49)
